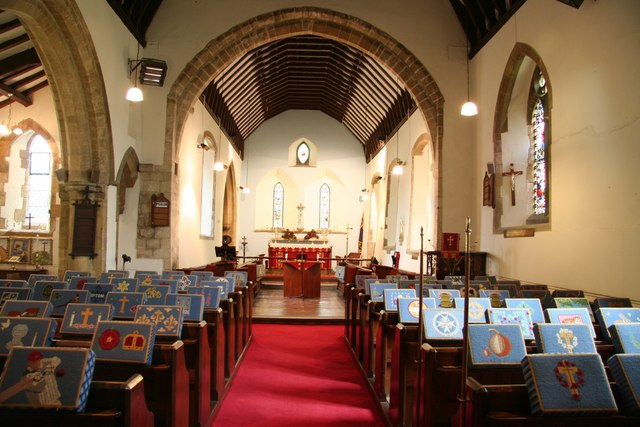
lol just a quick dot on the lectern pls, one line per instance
(301, 279)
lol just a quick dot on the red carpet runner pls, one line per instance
(298, 375)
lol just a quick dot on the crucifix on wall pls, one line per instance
(512, 173)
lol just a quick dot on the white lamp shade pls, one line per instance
(4, 130)
(134, 94)
(397, 169)
(218, 166)
(246, 190)
(469, 109)
(17, 131)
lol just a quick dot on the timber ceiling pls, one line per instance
(302, 72)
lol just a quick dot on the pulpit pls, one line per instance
(301, 279)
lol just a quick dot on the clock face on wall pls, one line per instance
(302, 153)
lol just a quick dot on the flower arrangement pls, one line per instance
(311, 235)
(288, 235)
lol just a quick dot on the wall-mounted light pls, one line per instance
(398, 168)
(219, 166)
(364, 196)
(245, 190)
(147, 71)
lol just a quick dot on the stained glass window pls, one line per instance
(325, 206)
(302, 154)
(539, 146)
(278, 205)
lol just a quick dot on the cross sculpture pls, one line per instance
(300, 208)
(512, 173)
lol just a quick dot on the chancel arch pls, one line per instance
(423, 195)
(220, 52)
(518, 141)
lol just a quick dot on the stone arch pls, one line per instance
(224, 49)
(65, 47)
(500, 120)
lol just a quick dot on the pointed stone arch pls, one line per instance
(518, 54)
(65, 47)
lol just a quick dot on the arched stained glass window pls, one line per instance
(538, 160)
(325, 206)
(278, 205)
(39, 185)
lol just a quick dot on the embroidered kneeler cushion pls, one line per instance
(25, 331)
(26, 308)
(192, 305)
(212, 294)
(568, 384)
(391, 297)
(154, 294)
(14, 293)
(167, 319)
(409, 309)
(625, 369)
(625, 337)
(82, 319)
(608, 316)
(495, 345)
(47, 377)
(443, 323)
(124, 341)
(564, 338)
(518, 316)
(377, 290)
(477, 308)
(60, 298)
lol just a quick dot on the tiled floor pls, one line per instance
(272, 305)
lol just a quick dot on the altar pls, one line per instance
(313, 250)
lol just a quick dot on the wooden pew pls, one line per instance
(348, 289)
(438, 383)
(508, 405)
(383, 271)
(384, 343)
(374, 309)
(216, 340)
(167, 379)
(402, 374)
(198, 361)
(237, 299)
(229, 322)
(363, 301)
(109, 404)
(439, 375)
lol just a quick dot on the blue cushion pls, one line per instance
(567, 384)
(60, 377)
(625, 337)
(625, 369)
(564, 338)
(408, 309)
(443, 323)
(518, 316)
(495, 345)
(124, 341)
(167, 319)
(391, 297)
(25, 331)
(83, 319)
(608, 316)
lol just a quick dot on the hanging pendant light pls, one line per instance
(134, 94)
(469, 108)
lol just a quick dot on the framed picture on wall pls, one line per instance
(4, 248)
(22, 248)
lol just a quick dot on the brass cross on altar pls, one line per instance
(512, 173)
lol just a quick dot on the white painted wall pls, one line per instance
(592, 56)
(340, 162)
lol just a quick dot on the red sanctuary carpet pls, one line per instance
(298, 375)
